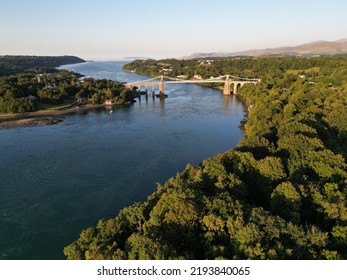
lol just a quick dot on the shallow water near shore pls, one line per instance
(58, 180)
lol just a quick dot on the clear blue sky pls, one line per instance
(111, 29)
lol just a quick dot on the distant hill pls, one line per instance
(308, 49)
(136, 58)
(11, 64)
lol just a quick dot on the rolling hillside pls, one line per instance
(308, 49)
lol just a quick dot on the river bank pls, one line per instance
(42, 117)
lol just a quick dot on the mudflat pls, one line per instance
(42, 117)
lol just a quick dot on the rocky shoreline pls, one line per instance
(30, 122)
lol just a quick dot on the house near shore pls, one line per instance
(197, 77)
(80, 101)
(39, 77)
(181, 77)
(108, 102)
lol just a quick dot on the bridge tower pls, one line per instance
(226, 90)
(161, 85)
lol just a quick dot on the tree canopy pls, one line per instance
(41, 87)
(280, 194)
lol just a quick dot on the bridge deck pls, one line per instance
(193, 81)
(228, 81)
(233, 79)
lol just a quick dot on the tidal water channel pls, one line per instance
(57, 180)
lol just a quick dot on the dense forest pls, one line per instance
(43, 87)
(12, 64)
(249, 67)
(280, 194)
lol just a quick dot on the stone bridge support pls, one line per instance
(130, 86)
(161, 85)
(226, 90)
(237, 85)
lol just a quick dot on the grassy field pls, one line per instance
(65, 105)
(308, 70)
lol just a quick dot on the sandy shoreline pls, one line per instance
(42, 117)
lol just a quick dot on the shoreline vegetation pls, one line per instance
(280, 194)
(32, 92)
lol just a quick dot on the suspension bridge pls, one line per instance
(160, 82)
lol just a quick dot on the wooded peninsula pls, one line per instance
(280, 194)
(32, 83)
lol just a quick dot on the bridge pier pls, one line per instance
(161, 86)
(235, 88)
(226, 90)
